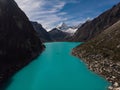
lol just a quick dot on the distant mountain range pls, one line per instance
(59, 33)
(68, 29)
(62, 31)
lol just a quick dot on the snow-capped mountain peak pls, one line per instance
(62, 26)
(68, 29)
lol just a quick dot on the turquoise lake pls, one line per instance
(57, 69)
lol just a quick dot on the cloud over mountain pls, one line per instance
(51, 12)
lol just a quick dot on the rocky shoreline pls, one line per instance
(102, 55)
(106, 68)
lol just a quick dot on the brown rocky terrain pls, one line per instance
(102, 54)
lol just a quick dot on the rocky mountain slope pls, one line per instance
(93, 28)
(102, 54)
(42, 33)
(62, 26)
(19, 43)
(63, 32)
(58, 35)
(68, 29)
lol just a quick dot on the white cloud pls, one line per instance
(46, 12)
(49, 12)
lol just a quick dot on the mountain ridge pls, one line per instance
(63, 32)
(41, 32)
(58, 35)
(94, 27)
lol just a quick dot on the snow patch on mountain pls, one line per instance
(68, 29)
(62, 26)
(71, 30)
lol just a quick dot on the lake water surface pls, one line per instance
(57, 69)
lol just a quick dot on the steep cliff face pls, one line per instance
(42, 33)
(19, 43)
(102, 54)
(92, 28)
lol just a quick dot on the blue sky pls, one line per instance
(52, 12)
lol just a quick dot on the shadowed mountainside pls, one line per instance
(19, 43)
(42, 33)
(58, 35)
